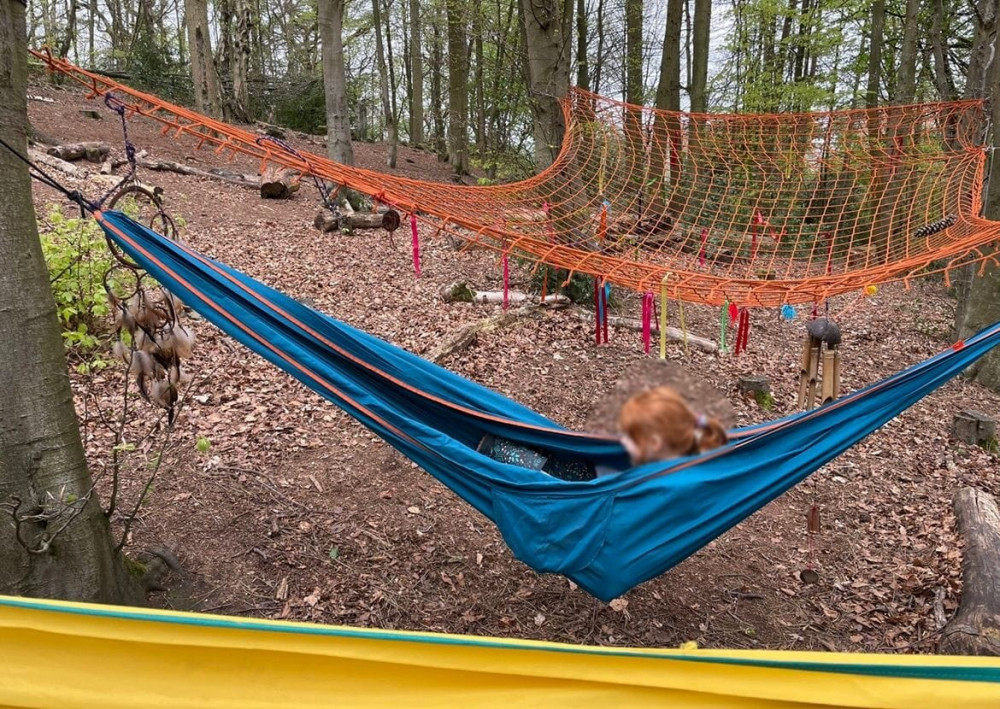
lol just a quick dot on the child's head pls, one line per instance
(659, 424)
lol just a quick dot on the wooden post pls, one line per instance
(804, 371)
(829, 376)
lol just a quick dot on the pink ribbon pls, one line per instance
(416, 243)
(704, 242)
(648, 304)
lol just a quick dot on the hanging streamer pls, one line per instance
(648, 305)
(743, 331)
(704, 244)
(549, 231)
(684, 330)
(605, 294)
(602, 231)
(506, 281)
(663, 317)
(416, 242)
(724, 318)
(829, 253)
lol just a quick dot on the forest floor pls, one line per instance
(296, 511)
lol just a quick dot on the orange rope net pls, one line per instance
(753, 210)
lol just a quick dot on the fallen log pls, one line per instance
(326, 222)
(56, 163)
(230, 178)
(278, 183)
(673, 334)
(92, 151)
(463, 293)
(975, 628)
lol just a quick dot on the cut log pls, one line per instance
(49, 161)
(92, 151)
(673, 334)
(278, 183)
(230, 178)
(326, 222)
(975, 629)
(973, 427)
(461, 292)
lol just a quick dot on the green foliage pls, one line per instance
(580, 288)
(303, 108)
(203, 445)
(764, 399)
(78, 258)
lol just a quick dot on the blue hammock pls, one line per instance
(608, 534)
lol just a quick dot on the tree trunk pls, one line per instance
(599, 59)
(875, 54)
(548, 34)
(633, 52)
(458, 88)
(479, 83)
(69, 37)
(582, 61)
(699, 64)
(383, 75)
(437, 91)
(975, 629)
(42, 461)
(242, 34)
(338, 122)
(417, 77)
(942, 68)
(206, 82)
(906, 81)
(979, 298)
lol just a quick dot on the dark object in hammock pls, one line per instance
(934, 227)
(507, 451)
(825, 330)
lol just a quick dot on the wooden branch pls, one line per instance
(673, 334)
(49, 161)
(230, 178)
(975, 629)
(466, 336)
(92, 151)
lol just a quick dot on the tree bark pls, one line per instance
(633, 51)
(437, 91)
(206, 82)
(548, 32)
(458, 88)
(42, 460)
(975, 629)
(417, 77)
(383, 75)
(338, 121)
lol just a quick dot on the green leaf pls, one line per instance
(334, 552)
(203, 444)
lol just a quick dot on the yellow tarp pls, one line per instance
(55, 654)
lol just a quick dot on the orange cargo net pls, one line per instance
(750, 209)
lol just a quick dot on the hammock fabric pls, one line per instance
(749, 209)
(179, 660)
(607, 534)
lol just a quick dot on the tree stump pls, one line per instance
(92, 151)
(975, 629)
(754, 385)
(973, 427)
(278, 183)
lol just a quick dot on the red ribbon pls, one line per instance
(506, 282)
(704, 241)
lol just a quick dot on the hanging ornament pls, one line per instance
(787, 312)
